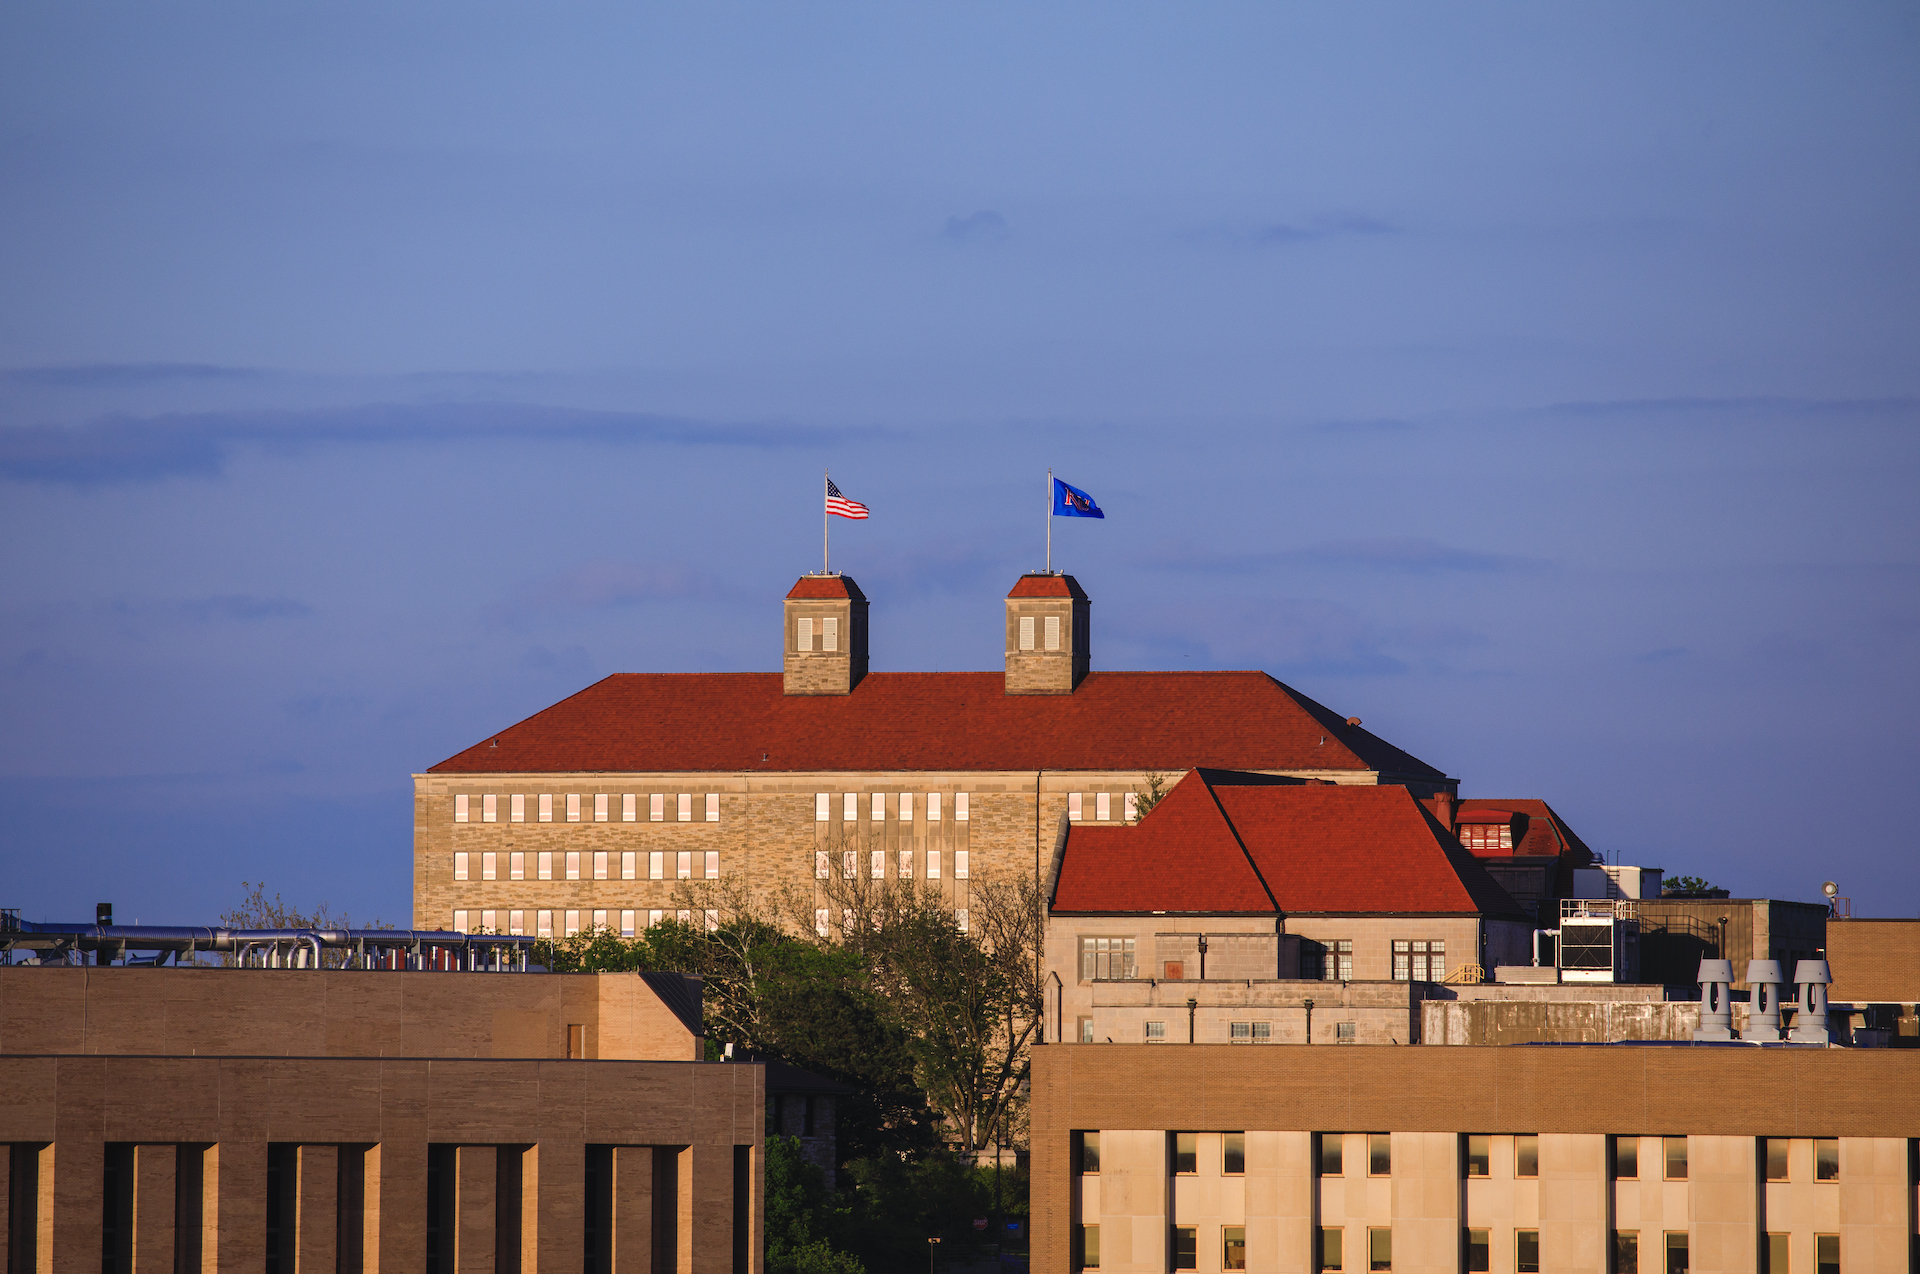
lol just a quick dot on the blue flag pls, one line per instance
(1072, 502)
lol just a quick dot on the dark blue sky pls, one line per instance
(1537, 384)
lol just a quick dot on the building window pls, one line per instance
(961, 919)
(1053, 632)
(1479, 1154)
(713, 864)
(1330, 961)
(545, 867)
(1526, 1252)
(1086, 1241)
(1379, 1154)
(849, 865)
(933, 864)
(685, 916)
(1826, 1254)
(713, 807)
(1380, 1249)
(1083, 1029)
(517, 923)
(933, 807)
(713, 919)
(820, 864)
(1330, 1163)
(1233, 1239)
(1186, 1154)
(877, 866)
(906, 807)
(599, 921)
(657, 865)
(1330, 1256)
(1106, 959)
(1419, 960)
(599, 864)
(1626, 1252)
(489, 810)
(1477, 1252)
(683, 865)
(545, 925)
(460, 809)
(516, 866)
(1086, 1153)
(906, 864)
(657, 807)
(573, 924)
(655, 916)
(1344, 1033)
(959, 864)
(1156, 1033)
(962, 803)
(1485, 836)
(1777, 1158)
(600, 807)
(1676, 1252)
(573, 807)
(1233, 1154)
(1186, 1248)
(849, 807)
(1778, 1258)
(1103, 806)
(830, 634)
(460, 866)
(1250, 1032)
(517, 808)
(573, 864)
(626, 924)
(546, 807)
(877, 808)
(629, 808)
(1826, 1159)
(1026, 632)
(1676, 1148)
(1073, 806)
(1526, 1155)
(1133, 806)
(1626, 1159)
(820, 921)
(459, 922)
(489, 866)
(820, 800)
(684, 807)
(629, 865)
(803, 634)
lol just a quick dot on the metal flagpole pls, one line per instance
(1049, 521)
(826, 476)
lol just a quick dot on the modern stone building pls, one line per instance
(1575, 1160)
(355, 1121)
(595, 811)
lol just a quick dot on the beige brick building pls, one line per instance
(1578, 1160)
(595, 811)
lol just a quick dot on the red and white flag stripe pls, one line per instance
(840, 506)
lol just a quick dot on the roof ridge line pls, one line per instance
(1244, 853)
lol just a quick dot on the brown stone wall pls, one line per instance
(1874, 961)
(242, 1105)
(333, 1013)
(1865, 1097)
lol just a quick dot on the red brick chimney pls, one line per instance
(1441, 803)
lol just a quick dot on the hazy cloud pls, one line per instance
(1278, 234)
(985, 226)
(1413, 555)
(1664, 655)
(121, 375)
(602, 584)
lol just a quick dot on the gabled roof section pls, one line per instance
(1539, 833)
(824, 588)
(681, 994)
(707, 722)
(1048, 586)
(1182, 857)
(1308, 847)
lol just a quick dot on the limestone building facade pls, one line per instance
(598, 810)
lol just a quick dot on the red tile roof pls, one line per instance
(1312, 848)
(1048, 586)
(704, 722)
(821, 587)
(1538, 832)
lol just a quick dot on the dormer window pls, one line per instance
(1487, 835)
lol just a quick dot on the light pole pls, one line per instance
(1308, 1006)
(1192, 1004)
(931, 1249)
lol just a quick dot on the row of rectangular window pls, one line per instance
(823, 919)
(574, 922)
(1414, 959)
(574, 807)
(1330, 1152)
(1102, 806)
(1050, 630)
(687, 865)
(1330, 1250)
(876, 864)
(876, 805)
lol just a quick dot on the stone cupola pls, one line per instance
(826, 636)
(1047, 643)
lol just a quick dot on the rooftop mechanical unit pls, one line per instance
(1599, 940)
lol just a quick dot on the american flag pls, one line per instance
(840, 506)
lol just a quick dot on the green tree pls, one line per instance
(805, 1216)
(1686, 885)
